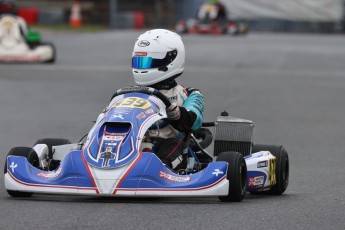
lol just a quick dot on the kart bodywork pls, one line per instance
(19, 44)
(110, 162)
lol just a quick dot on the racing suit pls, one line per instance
(191, 105)
(12, 27)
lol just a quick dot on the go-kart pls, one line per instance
(212, 19)
(111, 163)
(19, 44)
(194, 26)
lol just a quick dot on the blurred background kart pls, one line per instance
(19, 44)
(193, 26)
(212, 18)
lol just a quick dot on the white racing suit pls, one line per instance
(12, 27)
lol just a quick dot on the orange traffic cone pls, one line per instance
(75, 18)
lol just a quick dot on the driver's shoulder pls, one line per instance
(190, 90)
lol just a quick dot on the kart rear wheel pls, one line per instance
(237, 174)
(31, 156)
(282, 167)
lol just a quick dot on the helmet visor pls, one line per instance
(142, 60)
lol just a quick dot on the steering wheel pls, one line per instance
(144, 90)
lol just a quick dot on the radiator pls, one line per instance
(233, 134)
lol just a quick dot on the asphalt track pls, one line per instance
(291, 86)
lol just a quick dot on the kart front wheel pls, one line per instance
(53, 59)
(31, 156)
(236, 174)
(50, 142)
(282, 167)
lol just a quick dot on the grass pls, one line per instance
(67, 28)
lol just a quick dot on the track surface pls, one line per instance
(291, 86)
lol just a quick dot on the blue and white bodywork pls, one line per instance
(110, 162)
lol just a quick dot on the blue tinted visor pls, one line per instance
(146, 62)
(140, 62)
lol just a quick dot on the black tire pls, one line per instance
(282, 167)
(32, 157)
(33, 45)
(50, 142)
(237, 175)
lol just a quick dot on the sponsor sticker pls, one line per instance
(141, 115)
(50, 174)
(143, 43)
(122, 110)
(256, 181)
(262, 164)
(172, 98)
(140, 54)
(149, 111)
(172, 178)
(114, 138)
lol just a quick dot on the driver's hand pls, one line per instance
(173, 112)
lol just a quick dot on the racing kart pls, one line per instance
(194, 26)
(20, 44)
(212, 19)
(110, 162)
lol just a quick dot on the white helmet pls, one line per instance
(158, 55)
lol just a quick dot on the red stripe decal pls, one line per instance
(127, 172)
(89, 172)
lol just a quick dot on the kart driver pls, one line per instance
(12, 27)
(158, 59)
(212, 11)
(9, 8)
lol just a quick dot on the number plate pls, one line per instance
(133, 102)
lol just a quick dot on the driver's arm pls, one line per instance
(190, 115)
